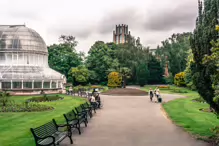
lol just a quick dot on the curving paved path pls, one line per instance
(132, 121)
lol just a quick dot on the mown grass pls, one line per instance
(15, 127)
(171, 90)
(186, 113)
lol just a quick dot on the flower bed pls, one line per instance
(164, 87)
(25, 107)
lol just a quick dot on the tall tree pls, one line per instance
(100, 60)
(174, 52)
(156, 71)
(80, 75)
(204, 33)
(142, 74)
(63, 56)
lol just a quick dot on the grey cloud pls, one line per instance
(77, 31)
(182, 16)
(129, 16)
(28, 15)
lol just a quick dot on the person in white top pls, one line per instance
(92, 99)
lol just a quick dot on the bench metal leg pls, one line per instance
(79, 128)
(85, 123)
(70, 137)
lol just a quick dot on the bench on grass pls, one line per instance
(74, 121)
(51, 134)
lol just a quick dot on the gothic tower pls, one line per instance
(121, 34)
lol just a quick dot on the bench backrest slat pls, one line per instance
(79, 109)
(70, 116)
(45, 130)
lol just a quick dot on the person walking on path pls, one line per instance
(159, 99)
(151, 94)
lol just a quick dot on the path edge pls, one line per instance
(167, 116)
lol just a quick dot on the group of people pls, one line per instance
(95, 98)
(155, 93)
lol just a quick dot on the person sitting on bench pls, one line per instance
(93, 101)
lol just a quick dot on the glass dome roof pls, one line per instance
(24, 59)
(20, 38)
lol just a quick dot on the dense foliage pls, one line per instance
(80, 75)
(174, 52)
(114, 80)
(63, 56)
(99, 61)
(156, 71)
(204, 33)
(142, 74)
(188, 71)
(4, 98)
(213, 60)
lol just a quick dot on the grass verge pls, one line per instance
(185, 112)
(15, 127)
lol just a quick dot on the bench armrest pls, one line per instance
(63, 126)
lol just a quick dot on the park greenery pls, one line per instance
(191, 57)
(20, 122)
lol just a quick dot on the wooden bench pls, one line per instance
(74, 121)
(51, 134)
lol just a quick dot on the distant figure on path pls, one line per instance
(151, 94)
(159, 99)
(157, 92)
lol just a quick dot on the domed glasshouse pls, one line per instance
(24, 62)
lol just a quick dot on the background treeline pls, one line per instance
(132, 60)
(192, 59)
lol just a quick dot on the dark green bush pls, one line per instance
(179, 91)
(200, 99)
(45, 98)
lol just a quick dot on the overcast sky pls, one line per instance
(92, 20)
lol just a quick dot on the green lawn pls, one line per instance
(172, 90)
(15, 127)
(185, 113)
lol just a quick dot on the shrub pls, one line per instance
(45, 98)
(114, 79)
(179, 91)
(200, 99)
(25, 107)
(4, 98)
(179, 79)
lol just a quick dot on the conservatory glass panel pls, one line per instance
(46, 85)
(27, 84)
(53, 84)
(6, 85)
(17, 85)
(37, 84)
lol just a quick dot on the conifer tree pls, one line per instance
(203, 34)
